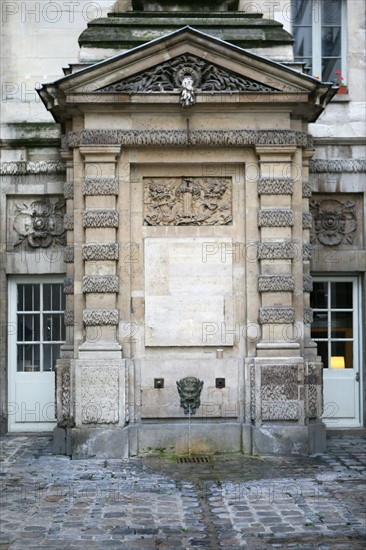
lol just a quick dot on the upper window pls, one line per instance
(319, 33)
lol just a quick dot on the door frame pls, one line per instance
(358, 343)
(13, 281)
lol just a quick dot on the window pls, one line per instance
(40, 326)
(335, 322)
(319, 33)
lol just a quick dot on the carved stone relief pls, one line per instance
(32, 167)
(276, 251)
(337, 165)
(276, 315)
(69, 318)
(69, 285)
(69, 254)
(307, 220)
(279, 392)
(100, 186)
(308, 315)
(100, 284)
(40, 223)
(100, 395)
(189, 201)
(189, 390)
(335, 222)
(307, 251)
(65, 395)
(172, 76)
(308, 283)
(100, 218)
(275, 186)
(69, 190)
(178, 138)
(69, 222)
(275, 218)
(313, 385)
(306, 190)
(108, 251)
(100, 317)
(276, 283)
(253, 405)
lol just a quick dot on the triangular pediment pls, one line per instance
(169, 76)
(211, 66)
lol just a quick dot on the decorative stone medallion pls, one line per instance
(189, 201)
(39, 223)
(334, 222)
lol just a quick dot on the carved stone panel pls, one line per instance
(69, 285)
(275, 186)
(100, 284)
(275, 218)
(100, 186)
(99, 395)
(276, 283)
(100, 317)
(279, 392)
(187, 201)
(108, 251)
(276, 251)
(276, 315)
(100, 218)
(334, 222)
(36, 223)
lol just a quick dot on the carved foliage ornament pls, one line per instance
(107, 251)
(334, 222)
(189, 390)
(192, 201)
(187, 74)
(40, 223)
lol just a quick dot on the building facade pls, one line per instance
(182, 224)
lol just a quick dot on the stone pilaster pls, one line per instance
(99, 283)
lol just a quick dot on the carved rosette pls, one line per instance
(308, 283)
(275, 218)
(275, 186)
(276, 251)
(276, 283)
(100, 284)
(108, 251)
(100, 218)
(100, 186)
(40, 223)
(276, 315)
(69, 285)
(100, 317)
(335, 222)
(69, 254)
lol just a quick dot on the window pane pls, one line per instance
(323, 352)
(51, 352)
(31, 297)
(331, 12)
(28, 327)
(331, 41)
(20, 304)
(302, 44)
(301, 12)
(342, 354)
(341, 296)
(319, 327)
(31, 356)
(52, 327)
(47, 297)
(342, 326)
(319, 296)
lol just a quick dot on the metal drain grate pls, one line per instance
(193, 459)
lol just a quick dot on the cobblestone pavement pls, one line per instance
(233, 501)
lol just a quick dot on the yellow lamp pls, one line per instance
(337, 362)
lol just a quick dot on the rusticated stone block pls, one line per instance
(100, 317)
(308, 283)
(100, 284)
(276, 283)
(307, 220)
(100, 218)
(100, 186)
(279, 392)
(69, 318)
(275, 186)
(276, 315)
(108, 251)
(69, 285)
(69, 254)
(276, 251)
(275, 218)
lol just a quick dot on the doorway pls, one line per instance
(36, 333)
(337, 331)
